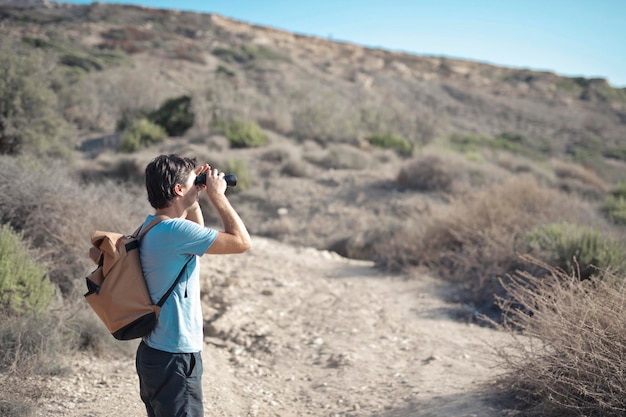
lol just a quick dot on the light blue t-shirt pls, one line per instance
(163, 251)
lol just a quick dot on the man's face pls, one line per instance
(191, 193)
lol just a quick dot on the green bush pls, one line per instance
(618, 152)
(242, 134)
(76, 56)
(620, 190)
(175, 115)
(520, 144)
(140, 134)
(247, 54)
(469, 142)
(224, 70)
(129, 117)
(397, 143)
(80, 60)
(614, 208)
(24, 284)
(576, 249)
(514, 142)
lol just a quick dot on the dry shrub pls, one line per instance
(474, 240)
(520, 165)
(117, 167)
(446, 173)
(428, 173)
(578, 179)
(57, 213)
(296, 168)
(35, 344)
(277, 154)
(15, 408)
(566, 355)
(341, 156)
(367, 244)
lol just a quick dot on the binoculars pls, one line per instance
(231, 179)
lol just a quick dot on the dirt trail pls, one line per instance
(302, 332)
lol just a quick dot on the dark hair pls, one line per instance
(162, 174)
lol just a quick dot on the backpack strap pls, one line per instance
(139, 235)
(154, 222)
(136, 236)
(176, 281)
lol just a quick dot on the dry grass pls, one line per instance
(57, 213)
(446, 172)
(475, 239)
(341, 156)
(568, 345)
(579, 179)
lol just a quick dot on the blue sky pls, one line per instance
(574, 38)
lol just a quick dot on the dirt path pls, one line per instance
(301, 332)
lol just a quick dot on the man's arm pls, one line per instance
(235, 237)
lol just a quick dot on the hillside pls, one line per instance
(390, 196)
(318, 100)
(280, 78)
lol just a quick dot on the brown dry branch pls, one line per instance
(568, 347)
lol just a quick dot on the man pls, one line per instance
(169, 362)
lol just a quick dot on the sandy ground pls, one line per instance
(301, 332)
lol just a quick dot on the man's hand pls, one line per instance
(215, 183)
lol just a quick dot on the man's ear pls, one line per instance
(178, 190)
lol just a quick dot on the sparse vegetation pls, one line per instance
(618, 152)
(241, 133)
(579, 179)
(224, 70)
(615, 209)
(29, 121)
(566, 351)
(513, 142)
(580, 250)
(614, 206)
(478, 238)
(399, 144)
(341, 156)
(428, 173)
(175, 115)
(296, 168)
(73, 55)
(140, 134)
(523, 174)
(446, 173)
(246, 54)
(24, 284)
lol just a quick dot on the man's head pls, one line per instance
(162, 175)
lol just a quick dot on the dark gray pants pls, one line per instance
(170, 384)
